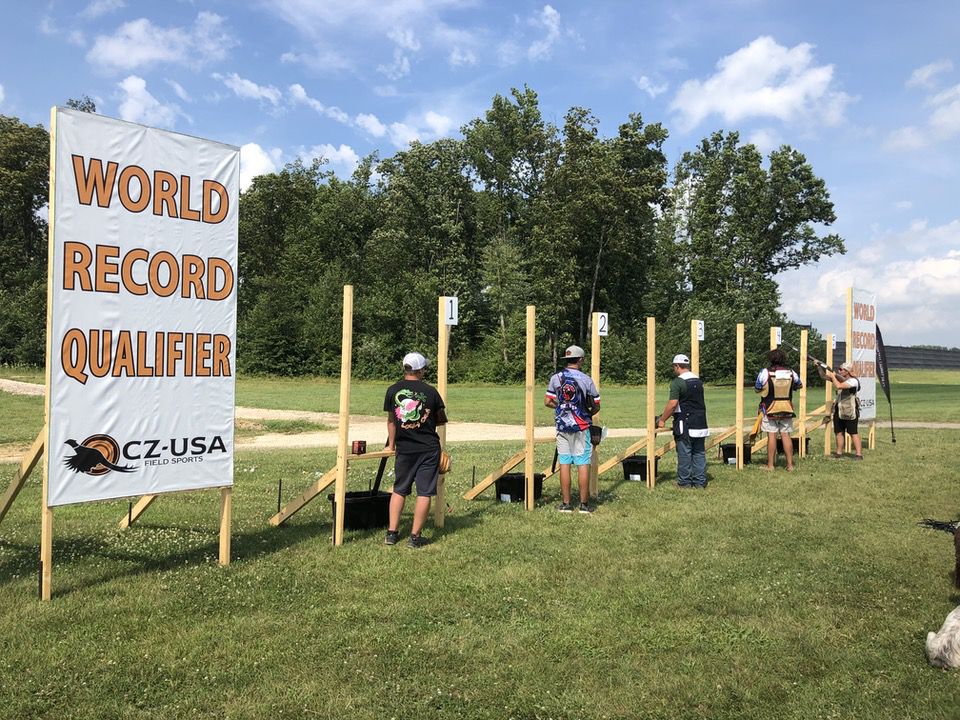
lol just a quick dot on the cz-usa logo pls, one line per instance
(99, 454)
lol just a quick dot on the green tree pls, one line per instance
(24, 186)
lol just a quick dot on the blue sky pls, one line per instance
(868, 91)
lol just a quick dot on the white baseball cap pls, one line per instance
(574, 351)
(680, 359)
(414, 361)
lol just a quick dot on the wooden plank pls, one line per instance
(346, 368)
(804, 338)
(375, 455)
(136, 511)
(621, 456)
(443, 345)
(531, 353)
(594, 477)
(651, 401)
(490, 479)
(740, 373)
(715, 440)
(27, 464)
(226, 512)
(46, 514)
(298, 503)
(828, 397)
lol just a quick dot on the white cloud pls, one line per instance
(763, 79)
(299, 96)
(401, 134)
(548, 20)
(903, 205)
(438, 125)
(371, 124)
(140, 43)
(178, 89)
(76, 37)
(2, 94)
(649, 87)
(459, 57)
(917, 296)
(342, 158)
(248, 89)
(101, 7)
(943, 124)
(925, 76)
(254, 160)
(508, 52)
(139, 106)
(400, 67)
(404, 38)
(765, 139)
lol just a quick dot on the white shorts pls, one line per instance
(781, 425)
(573, 448)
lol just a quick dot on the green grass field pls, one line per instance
(802, 595)
(766, 596)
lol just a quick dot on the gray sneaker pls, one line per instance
(417, 541)
(565, 507)
(391, 538)
(585, 509)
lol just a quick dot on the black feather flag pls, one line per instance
(883, 373)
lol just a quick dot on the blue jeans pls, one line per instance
(691, 462)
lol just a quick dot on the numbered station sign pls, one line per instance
(603, 325)
(779, 333)
(451, 310)
(700, 330)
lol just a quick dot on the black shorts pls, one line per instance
(421, 469)
(847, 426)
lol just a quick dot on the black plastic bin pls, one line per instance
(635, 468)
(512, 487)
(363, 510)
(796, 445)
(728, 453)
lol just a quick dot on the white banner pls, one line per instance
(141, 330)
(862, 329)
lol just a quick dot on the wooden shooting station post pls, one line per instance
(447, 315)
(337, 475)
(738, 424)
(596, 330)
(697, 333)
(526, 455)
(828, 398)
(649, 441)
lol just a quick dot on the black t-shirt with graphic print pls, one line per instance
(414, 407)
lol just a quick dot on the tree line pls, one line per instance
(515, 212)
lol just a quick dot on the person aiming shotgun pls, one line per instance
(777, 383)
(846, 409)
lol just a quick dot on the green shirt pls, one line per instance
(678, 389)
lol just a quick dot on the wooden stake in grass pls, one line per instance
(346, 368)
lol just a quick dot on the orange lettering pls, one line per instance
(94, 181)
(76, 264)
(143, 200)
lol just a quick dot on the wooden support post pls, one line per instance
(27, 464)
(802, 434)
(694, 348)
(528, 407)
(490, 479)
(298, 503)
(740, 372)
(651, 401)
(46, 514)
(346, 368)
(828, 398)
(773, 338)
(136, 511)
(443, 343)
(226, 511)
(595, 376)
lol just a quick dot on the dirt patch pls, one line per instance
(15, 387)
